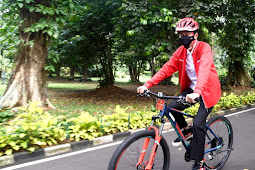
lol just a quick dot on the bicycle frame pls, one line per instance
(180, 134)
(166, 112)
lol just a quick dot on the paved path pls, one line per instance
(243, 157)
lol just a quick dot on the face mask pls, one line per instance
(186, 40)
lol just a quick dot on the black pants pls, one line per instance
(198, 128)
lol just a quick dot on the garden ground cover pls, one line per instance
(88, 96)
(72, 97)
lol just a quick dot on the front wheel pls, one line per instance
(221, 137)
(127, 154)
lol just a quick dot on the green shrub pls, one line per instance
(249, 98)
(228, 102)
(6, 114)
(232, 100)
(192, 110)
(117, 122)
(121, 120)
(31, 129)
(222, 73)
(84, 126)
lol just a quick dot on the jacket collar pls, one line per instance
(193, 47)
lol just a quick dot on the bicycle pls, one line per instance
(148, 149)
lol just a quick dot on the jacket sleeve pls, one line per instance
(166, 71)
(204, 69)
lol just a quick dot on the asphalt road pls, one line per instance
(241, 158)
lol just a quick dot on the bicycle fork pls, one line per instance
(158, 132)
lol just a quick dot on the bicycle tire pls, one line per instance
(220, 126)
(132, 141)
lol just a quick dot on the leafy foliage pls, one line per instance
(122, 121)
(86, 40)
(6, 64)
(144, 32)
(84, 126)
(230, 20)
(29, 130)
(228, 102)
(53, 13)
(33, 128)
(232, 100)
(6, 114)
(135, 34)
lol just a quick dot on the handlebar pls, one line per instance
(160, 95)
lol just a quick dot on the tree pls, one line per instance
(7, 48)
(37, 21)
(144, 33)
(231, 20)
(88, 38)
(99, 27)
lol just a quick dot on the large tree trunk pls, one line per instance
(72, 71)
(57, 71)
(109, 73)
(152, 66)
(237, 76)
(28, 79)
(106, 60)
(84, 72)
(133, 73)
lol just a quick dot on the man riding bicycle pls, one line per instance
(198, 78)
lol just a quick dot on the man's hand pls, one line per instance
(141, 89)
(190, 98)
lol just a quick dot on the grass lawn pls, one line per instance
(72, 86)
(72, 97)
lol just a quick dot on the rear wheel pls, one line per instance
(222, 128)
(127, 154)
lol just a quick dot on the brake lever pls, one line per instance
(183, 100)
(144, 94)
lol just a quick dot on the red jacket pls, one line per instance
(208, 84)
